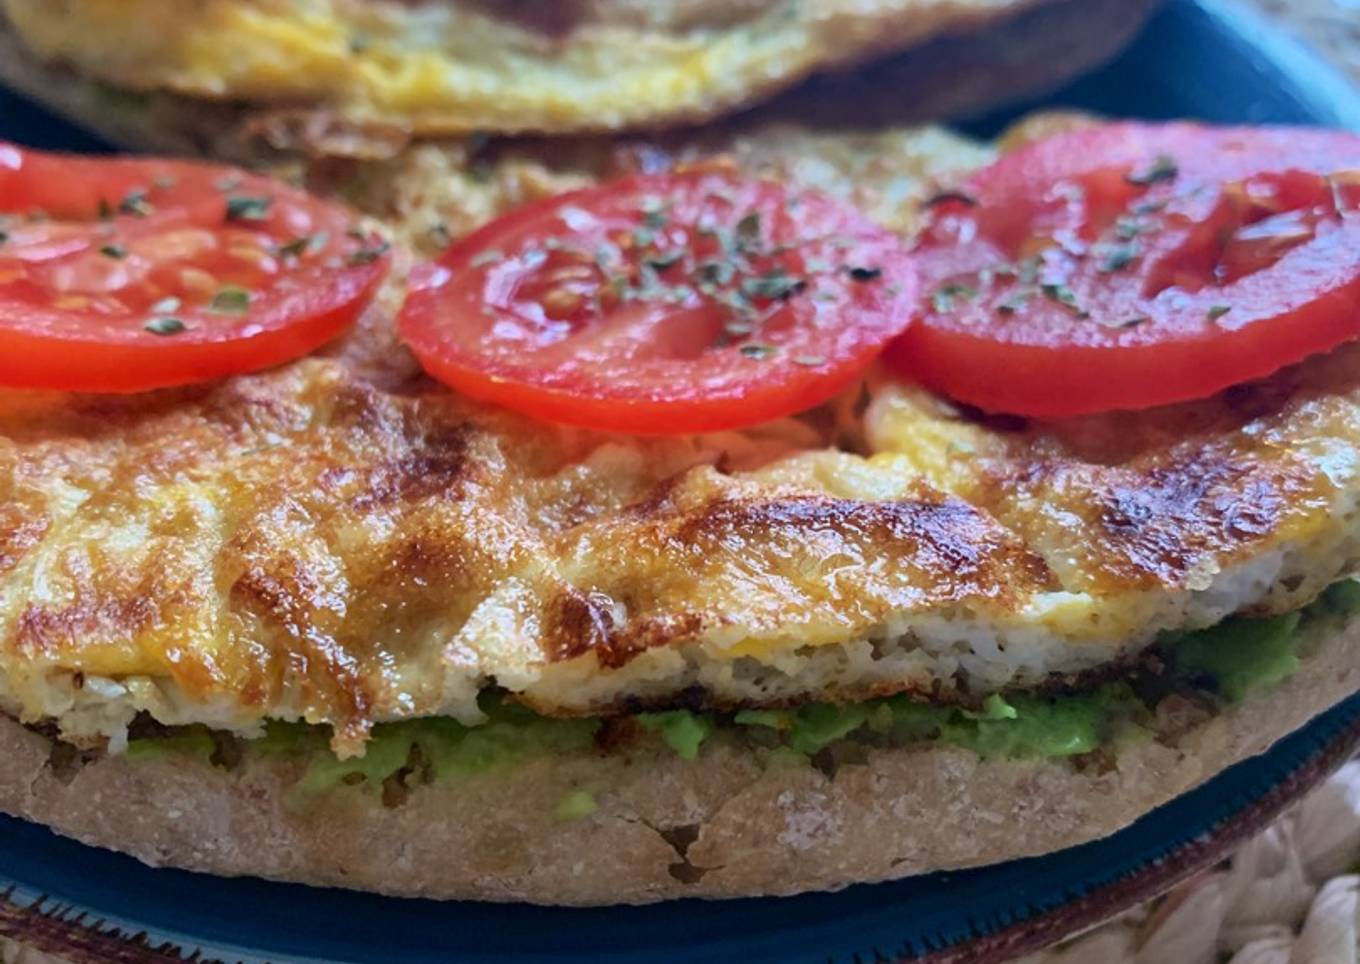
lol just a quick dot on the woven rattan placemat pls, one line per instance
(1290, 896)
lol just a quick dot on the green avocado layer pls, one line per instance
(1225, 663)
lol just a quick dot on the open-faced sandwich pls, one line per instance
(363, 77)
(746, 512)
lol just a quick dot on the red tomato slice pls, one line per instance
(663, 304)
(121, 275)
(1130, 266)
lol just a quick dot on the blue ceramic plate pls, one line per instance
(1204, 59)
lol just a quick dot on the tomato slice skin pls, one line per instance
(662, 304)
(130, 274)
(1134, 265)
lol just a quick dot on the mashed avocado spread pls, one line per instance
(1226, 662)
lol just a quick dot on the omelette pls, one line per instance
(334, 622)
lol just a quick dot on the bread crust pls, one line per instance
(718, 826)
(985, 62)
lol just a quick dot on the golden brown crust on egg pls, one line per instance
(663, 561)
(307, 537)
(340, 539)
(719, 826)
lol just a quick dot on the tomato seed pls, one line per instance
(562, 303)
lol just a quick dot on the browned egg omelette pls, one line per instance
(437, 66)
